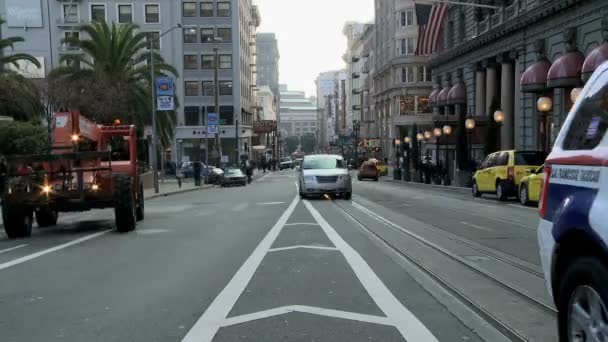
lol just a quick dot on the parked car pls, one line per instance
(215, 174)
(501, 172)
(187, 169)
(324, 174)
(573, 231)
(529, 188)
(286, 163)
(368, 170)
(234, 176)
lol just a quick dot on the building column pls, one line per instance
(518, 110)
(506, 103)
(490, 89)
(480, 92)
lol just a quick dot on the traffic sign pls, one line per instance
(212, 123)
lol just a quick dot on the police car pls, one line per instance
(573, 229)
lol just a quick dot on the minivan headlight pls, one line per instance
(309, 179)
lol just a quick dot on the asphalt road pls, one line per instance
(397, 263)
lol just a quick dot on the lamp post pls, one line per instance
(499, 117)
(427, 137)
(396, 169)
(544, 106)
(447, 130)
(406, 164)
(153, 86)
(470, 125)
(419, 138)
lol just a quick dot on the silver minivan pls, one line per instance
(324, 174)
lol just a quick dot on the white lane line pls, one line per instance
(522, 207)
(270, 203)
(306, 309)
(301, 224)
(477, 226)
(278, 249)
(408, 325)
(12, 248)
(51, 250)
(208, 324)
(240, 207)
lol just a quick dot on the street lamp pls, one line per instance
(153, 86)
(407, 140)
(574, 94)
(447, 130)
(544, 106)
(437, 133)
(427, 135)
(499, 116)
(470, 125)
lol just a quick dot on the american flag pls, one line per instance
(430, 18)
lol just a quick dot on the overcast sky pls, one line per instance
(310, 35)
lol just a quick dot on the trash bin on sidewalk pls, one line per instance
(197, 168)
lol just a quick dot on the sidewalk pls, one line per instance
(170, 187)
(390, 179)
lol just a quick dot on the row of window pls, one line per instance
(207, 62)
(191, 88)
(99, 12)
(192, 115)
(206, 9)
(207, 34)
(412, 74)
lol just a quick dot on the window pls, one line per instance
(407, 18)
(590, 121)
(191, 116)
(427, 74)
(207, 35)
(225, 87)
(407, 46)
(503, 159)
(223, 9)
(153, 40)
(191, 88)
(225, 61)
(407, 105)
(71, 14)
(152, 13)
(227, 114)
(190, 35)
(206, 9)
(530, 158)
(190, 62)
(98, 12)
(71, 35)
(125, 13)
(419, 74)
(208, 61)
(225, 33)
(189, 9)
(208, 88)
(407, 74)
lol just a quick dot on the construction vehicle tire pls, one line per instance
(17, 221)
(124, 204)
(140, 211)
(46, 217)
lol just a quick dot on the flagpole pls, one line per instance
(460, 3)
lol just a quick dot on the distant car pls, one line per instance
(529, 188)
(573, 231)
(324, 174)
(233, 176)
(286, 163)
(187, 169)
(298, 162)
(368, 170)
(215, 174)
(501, 172)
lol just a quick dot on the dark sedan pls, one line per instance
(234, 177)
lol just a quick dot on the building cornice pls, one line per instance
(529, 18)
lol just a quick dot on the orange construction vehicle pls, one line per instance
(90, 166)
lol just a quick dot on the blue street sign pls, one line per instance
(164, 86)
(212, 123)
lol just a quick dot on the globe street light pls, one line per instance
(427, 135)
(574, 94)
(499, 116)
(544, 106)
(407, 140)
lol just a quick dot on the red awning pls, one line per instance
(433, 97)
(458, 94)
(565, 72)
(534, 79)
(442, 98)
(596, 57)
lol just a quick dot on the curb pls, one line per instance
(422, 185)
(180, 191)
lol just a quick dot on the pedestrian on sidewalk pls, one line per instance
(179, 176)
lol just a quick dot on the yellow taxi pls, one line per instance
(530, 186)
(382, 167)
(501, 172)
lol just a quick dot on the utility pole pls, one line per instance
(238, 143)
(216, 96)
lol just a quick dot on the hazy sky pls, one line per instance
(310, 35)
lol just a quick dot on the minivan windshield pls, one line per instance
(323, 163)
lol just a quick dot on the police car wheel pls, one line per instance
(582, 301)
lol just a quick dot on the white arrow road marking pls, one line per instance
(301, 246)
(306, 309)
(301, 224)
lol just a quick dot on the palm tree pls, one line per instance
(113, 77)
(9, 43)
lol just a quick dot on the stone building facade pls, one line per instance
(401, 79)
(505, 60)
